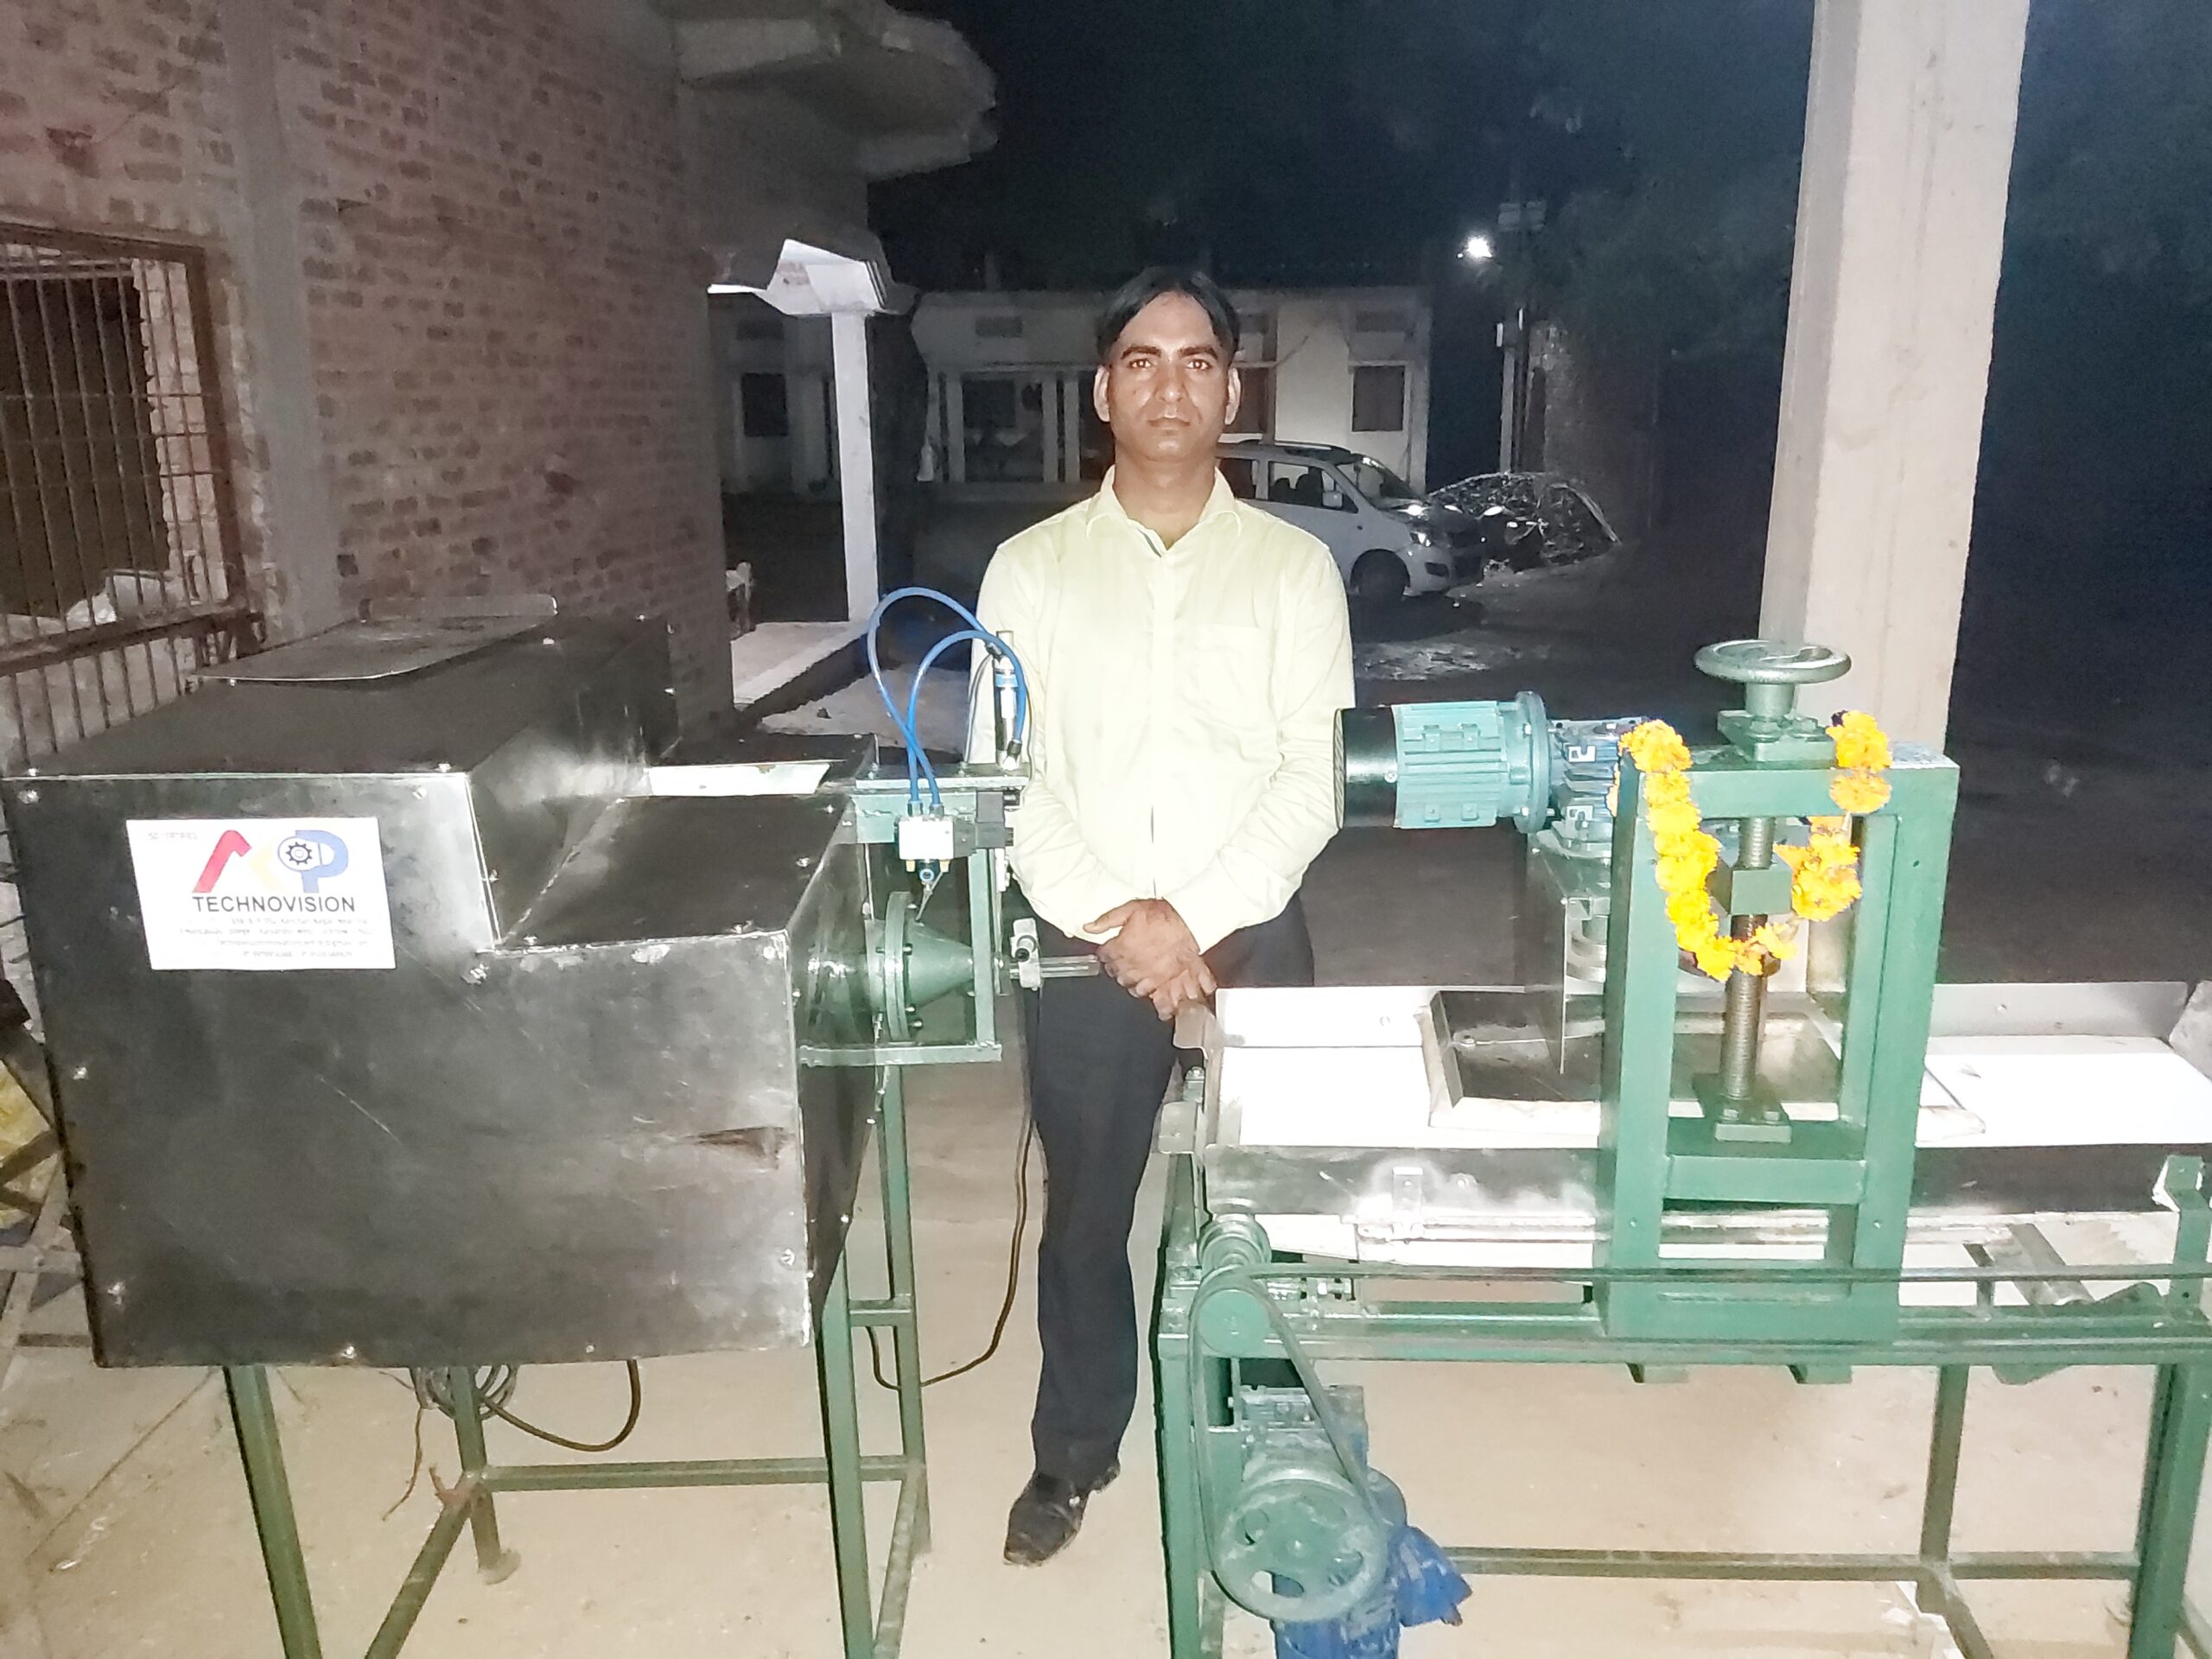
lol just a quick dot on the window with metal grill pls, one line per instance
(120, 566)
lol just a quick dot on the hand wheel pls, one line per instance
(1771, 671)
(1771, 662)
(1300, 1545)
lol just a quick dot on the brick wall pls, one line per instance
(506, 323)
(116, 115)
(509, 322)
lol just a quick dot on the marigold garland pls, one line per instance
(1823, 874)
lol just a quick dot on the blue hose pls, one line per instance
(918, 766)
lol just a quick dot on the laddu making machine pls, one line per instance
(409, 1008)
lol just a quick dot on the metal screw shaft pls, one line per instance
(1745, 1008)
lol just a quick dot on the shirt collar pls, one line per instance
(1106, 508)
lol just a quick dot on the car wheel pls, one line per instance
(1379, 578)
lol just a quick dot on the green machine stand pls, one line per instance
(1744, 1151)
(868, 1627)
(1708, 1118)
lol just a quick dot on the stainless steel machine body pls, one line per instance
(562, 1116)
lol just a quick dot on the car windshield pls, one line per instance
(1378, 482)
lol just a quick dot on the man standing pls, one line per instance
(1187, 655)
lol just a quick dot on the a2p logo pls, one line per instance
(312, 856)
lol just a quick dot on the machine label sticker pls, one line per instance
(265, 894)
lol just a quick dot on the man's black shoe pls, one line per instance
(1047, 1514)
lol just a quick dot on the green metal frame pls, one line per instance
(869, 1630)
(1858, 1168)
(1207, 1321)
(978, 796)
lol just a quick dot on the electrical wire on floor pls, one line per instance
(1012, 1276)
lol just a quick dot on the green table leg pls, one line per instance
(1945, 1438)
(1180, 1522)
(1944, 1441)
(2173, 1477)
(1194, 1607)
(492, 1561)
(899, 1251)
(263, 1457)
(841, 1442)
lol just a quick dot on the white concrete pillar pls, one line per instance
(856, 460)
(1417, 366)
(1048, 417)
(933, 427)
(956, 429)
(1074, 388)
(1900, 226)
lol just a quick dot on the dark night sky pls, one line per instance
(1317, 140)
(1333, 141)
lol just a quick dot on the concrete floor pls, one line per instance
(124, 1498)
(125, 1528)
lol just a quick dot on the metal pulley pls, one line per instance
(1300, 1545)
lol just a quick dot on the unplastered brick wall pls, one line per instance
(115, 115)
(506, 324)
(507, 315)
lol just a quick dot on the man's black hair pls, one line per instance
(1148, 285)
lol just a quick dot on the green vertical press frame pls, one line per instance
(1858, 1168)
(870, 1627)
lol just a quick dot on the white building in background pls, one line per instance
(778, 434)
(1010, 373)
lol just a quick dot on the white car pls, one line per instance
(1386, 540)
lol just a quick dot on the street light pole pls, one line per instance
(1517, 221)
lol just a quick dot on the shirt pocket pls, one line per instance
(1229, 680)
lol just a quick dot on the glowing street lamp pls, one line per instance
(1478, 249)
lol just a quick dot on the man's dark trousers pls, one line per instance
(1099, 1063)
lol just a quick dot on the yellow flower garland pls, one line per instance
(1823, 874)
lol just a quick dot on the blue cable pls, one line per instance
(914, 700)
(991, 642)
(996, 644)
(908, 722)
(875, 669)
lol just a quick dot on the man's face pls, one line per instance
(1168, 390)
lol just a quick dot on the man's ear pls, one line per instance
(1236, 397)
(1098, 397)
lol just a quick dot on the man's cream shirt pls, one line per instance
(1182, 715)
